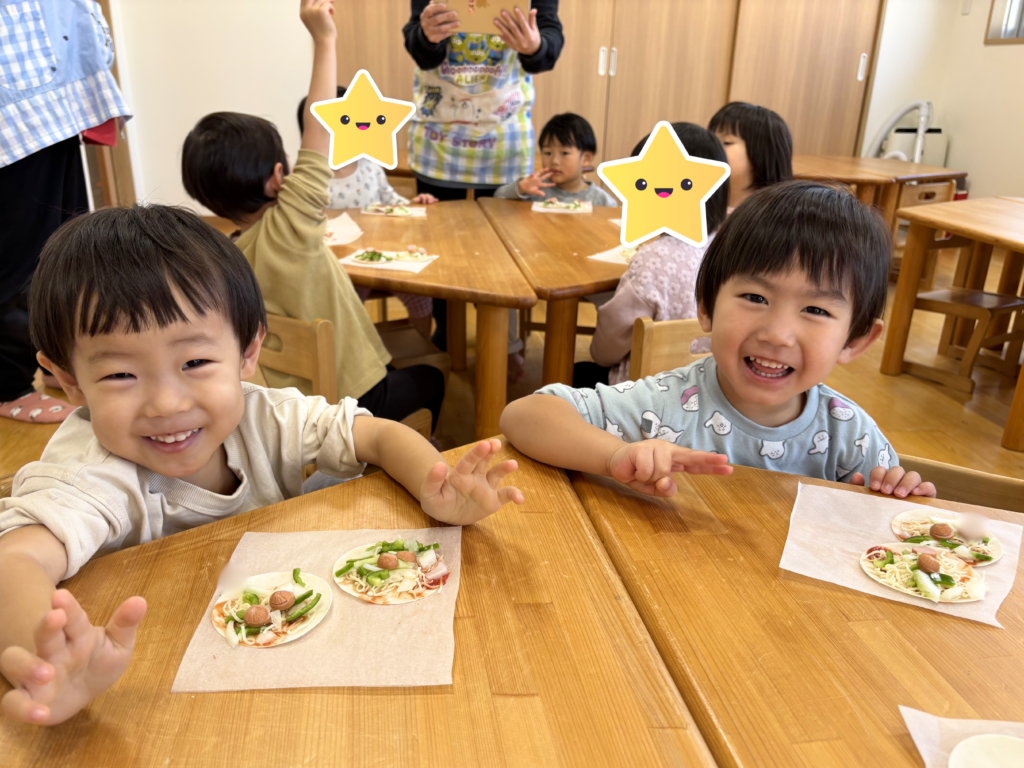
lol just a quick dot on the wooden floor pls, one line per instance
(920, 418)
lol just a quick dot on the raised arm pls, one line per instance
(317, 16)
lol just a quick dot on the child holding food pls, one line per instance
(151, 320)
(793, 284)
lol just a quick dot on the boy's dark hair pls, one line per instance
(302, 109)
(824, 231)
(569, 130)
(226, 161)
(769, 143)
(700, 142)
(120, 268)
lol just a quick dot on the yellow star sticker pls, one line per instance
(363, 123)
(663, 191)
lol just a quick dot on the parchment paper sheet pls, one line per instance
(935, 737)
(356, 644)
(415, 212)
(539, 208)
(342, 230)
(404, 266)
(612, 256)
(830, 529)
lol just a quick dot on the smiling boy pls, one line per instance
(794, 284)
(151, 320)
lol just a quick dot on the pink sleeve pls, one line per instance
(613, 337)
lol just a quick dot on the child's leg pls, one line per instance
(419, 309)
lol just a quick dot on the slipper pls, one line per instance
(36, 407)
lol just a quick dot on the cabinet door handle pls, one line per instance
(615, 60)
(602, 61)
(863, 68)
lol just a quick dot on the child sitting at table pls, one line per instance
(151, 320)
(235, 165)
(794, 284)
(364, 183)
(659, 280)
(758, 145)
(567, 145)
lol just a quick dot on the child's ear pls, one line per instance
(273, 185)
(251, 356)
(859, 346)
(587, 160)
(67, 380)
(704, 318)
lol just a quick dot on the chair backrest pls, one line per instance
(5, 485)
(307, 351)
(968, 486)
(662, 346)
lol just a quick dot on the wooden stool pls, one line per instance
(983, 309)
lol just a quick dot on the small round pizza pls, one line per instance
(965, 535)
(926, 572)
(392, 572)
(988, 750)
(272, 608)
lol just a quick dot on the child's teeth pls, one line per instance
(175, 438)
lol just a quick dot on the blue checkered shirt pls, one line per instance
(55, 80)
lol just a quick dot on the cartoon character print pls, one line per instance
(773, 450)
(577, 399)
(669, 375)
(16, 410)
(474, 48)
(719, 423)
(884, 457)
(839, 410)
(33, 413)
(689, 399)
(623, 386)
(863, 445)
(652, 428)
(613, 429)
(820, 441)
(431, 100)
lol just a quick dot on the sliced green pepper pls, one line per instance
(248, 630)
(250, 598)
(304, 596)
(375, 578)
(985, 540)
(425, 547)
(345, 570)
(296, 579)
(303, 611)
(981, 557)
(916, 539)
(947, 544)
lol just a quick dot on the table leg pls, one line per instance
(559, 341)
(491, 368)
(866, 193)
(976, 274)
(1009, 284)
(1013, 435)
(457, 334)
(889, 198)
(918, 239)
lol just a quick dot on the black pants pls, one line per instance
(588, 375)
(404, 391)
(440, 337)
(37, 194)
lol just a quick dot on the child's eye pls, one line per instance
(119, 377)
(817, 311)
(194, 364)
(755, 298)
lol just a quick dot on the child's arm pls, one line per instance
(323, 86)
(50, 652)
(549, 429)
(461, 496)
(896, 482)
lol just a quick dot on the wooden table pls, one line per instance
(552, 249)
(474, 266)
(985, 223)
(780, 669)
(553, 666)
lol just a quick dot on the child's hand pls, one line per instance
(896, 482)
(74, 661)
(316, 15)
(470, 492)
(647, 466)
(535, 183)
(438, 23)
(425, 199)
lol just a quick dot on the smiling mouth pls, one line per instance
(362, 126)
(767, 369)
(663, 191)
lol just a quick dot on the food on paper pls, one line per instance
(272, 608)
(965, 535)
(988, 750)
(392, 572)
(628, 253)
(413, 253)
(919, 570)
(576, 206)
(371, 256)
(387, 210)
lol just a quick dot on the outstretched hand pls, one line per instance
(647, 466)
(535, 183)
(895, 482)
(74, 661)
(470, 491)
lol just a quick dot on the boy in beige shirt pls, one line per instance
(235, 165)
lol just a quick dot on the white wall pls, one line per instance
(930, 51)
(187, 58)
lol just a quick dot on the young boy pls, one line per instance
(794, 283)
(567, 146)
(235, 165)
(151, 319)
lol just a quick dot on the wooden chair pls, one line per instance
(912, 195)
(663, 346)
(969, 486)
(5, 485)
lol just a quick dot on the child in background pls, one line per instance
(236, 166)
(659, 281)
(151, 319)
(567, 146)
(364, 183)
(759, 147)
(794, 284)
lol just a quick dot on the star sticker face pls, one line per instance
(663, 191)
(363, 123)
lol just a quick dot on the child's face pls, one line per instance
(776, 336)
(741, 174)
(180, 384)
(567, 163)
